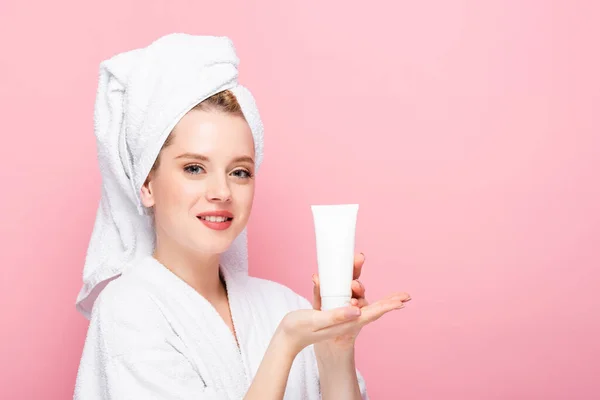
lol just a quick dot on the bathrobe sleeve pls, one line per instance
(305, 304)
(131, 353)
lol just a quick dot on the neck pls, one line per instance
(199, 270)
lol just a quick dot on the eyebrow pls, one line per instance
(201, 157)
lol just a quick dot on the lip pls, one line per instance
(221, 213)
(217, 226)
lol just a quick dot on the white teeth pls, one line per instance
(214, 219)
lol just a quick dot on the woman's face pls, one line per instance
(207, 170)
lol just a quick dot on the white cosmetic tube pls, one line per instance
(335, 229)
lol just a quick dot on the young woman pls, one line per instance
(185, 320)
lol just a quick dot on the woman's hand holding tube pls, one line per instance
(335, 356)
(359, 300)
(301, 328)
(339, 326)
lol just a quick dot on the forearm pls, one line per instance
(337, 374)
(272, 375)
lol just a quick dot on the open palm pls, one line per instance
(348, 338)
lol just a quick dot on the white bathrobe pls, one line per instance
(152, 336)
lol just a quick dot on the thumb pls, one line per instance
(316, 292)
(326, 319)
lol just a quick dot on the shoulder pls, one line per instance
(134, 295)
(125, 314)
(123, 297)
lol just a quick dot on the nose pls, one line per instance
(218, 191)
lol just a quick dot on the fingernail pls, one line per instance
(364, 258)
(352, 312)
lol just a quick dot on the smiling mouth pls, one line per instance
(215, 219)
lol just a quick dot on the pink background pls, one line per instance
(468, 131)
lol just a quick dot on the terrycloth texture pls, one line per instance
(152, 336)
(142, 94)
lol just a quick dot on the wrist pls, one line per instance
(283, 344)
(337, 372)
(327, 352)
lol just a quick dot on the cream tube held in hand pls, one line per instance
(335, 229)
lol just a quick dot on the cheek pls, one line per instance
(189, 190)
(176, 194)
(244, 197)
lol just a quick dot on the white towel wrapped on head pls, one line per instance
(142, 94)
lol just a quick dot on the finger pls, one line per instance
(404, 296)
(359, 260)
(326, 319)
(316, 293)
(358, 294)
(376, 310)
(358, 290)
(361, 302)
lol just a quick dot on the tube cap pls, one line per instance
(331, 302)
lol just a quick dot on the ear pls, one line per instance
(146, 193)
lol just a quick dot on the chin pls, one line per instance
(211, 241)
(214, 245)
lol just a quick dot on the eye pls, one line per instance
(242, 173)
(193, 169)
